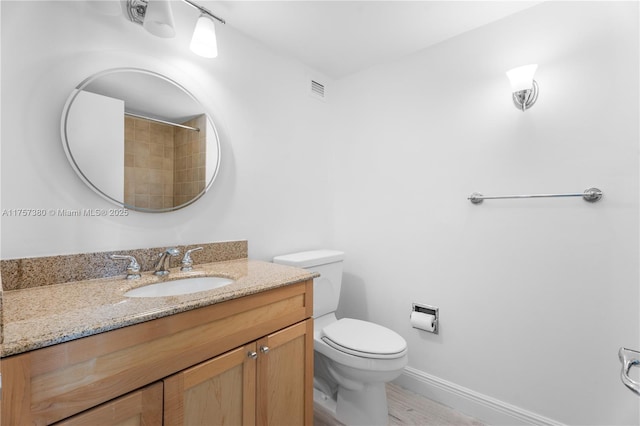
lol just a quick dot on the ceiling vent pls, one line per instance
(318, 90)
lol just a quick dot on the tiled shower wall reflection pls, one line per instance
(164, 165)
(148, 164)
(190, 160)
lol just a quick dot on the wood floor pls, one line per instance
(408, 408)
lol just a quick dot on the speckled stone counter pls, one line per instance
(43, 316)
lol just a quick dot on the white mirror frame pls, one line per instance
(100, 191)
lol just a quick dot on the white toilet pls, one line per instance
(353, 359)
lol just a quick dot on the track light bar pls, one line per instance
(204, 10)
(137, 9)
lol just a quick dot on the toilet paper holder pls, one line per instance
(429, 310)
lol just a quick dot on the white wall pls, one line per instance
(535, 296)
(96, 140)
(274, 161)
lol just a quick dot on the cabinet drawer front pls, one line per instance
(139, 408)
(50, 384)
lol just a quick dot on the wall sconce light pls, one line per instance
(154, 15)
(523, 86)
(203, 42)
(157, 18)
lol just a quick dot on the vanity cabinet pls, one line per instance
(259, 383)
(139, 408)
(219, 391)
(244, 361)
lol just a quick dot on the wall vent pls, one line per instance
(317, 90)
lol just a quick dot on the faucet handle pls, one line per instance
(187, 263)
(133, 270)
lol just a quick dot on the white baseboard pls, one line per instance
(474, 404)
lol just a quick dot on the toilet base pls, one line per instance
(366, 407)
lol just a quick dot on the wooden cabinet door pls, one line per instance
(285, 376)
(219, 392)
(138, 408)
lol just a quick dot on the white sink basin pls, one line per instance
(179, 287)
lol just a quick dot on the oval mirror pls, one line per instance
(140, 140)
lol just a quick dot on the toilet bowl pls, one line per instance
(360, 358)
(354, 359)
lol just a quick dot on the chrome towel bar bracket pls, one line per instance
(629, 358)
(592, 195)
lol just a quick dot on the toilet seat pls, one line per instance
(364, 339)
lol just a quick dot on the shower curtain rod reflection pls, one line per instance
(592, 195)
(157, 120)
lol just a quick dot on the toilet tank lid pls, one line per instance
(306, 259)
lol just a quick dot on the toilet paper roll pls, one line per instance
(423, 321)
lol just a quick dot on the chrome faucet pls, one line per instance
(161, 267)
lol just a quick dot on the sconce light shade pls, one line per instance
(158, 19)
(523, 86)
(203, 42)
(521, 78)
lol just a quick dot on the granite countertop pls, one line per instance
(44, 316)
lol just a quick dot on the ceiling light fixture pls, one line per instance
(156, 17)
(203, 42)
(523, 86)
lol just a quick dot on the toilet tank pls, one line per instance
(326, 288)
